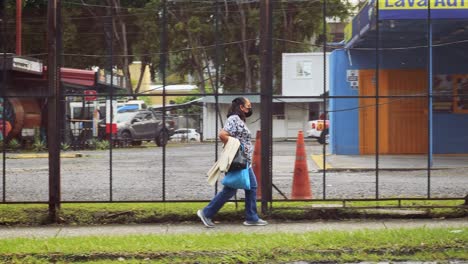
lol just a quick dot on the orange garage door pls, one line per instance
(402, 121)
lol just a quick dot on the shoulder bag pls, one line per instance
(240, 160)
(238, 179)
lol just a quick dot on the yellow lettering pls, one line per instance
(400, 3)
(452, 2)
(422, 4)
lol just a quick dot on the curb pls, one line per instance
(43, 156)
(318, 160)
(380, 169)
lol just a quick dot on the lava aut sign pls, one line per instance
(418, 9)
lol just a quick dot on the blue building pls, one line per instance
(380, 81)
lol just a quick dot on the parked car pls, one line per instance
(144, 125)
(186, 134)
(318, 129)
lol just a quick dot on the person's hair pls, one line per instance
(235, 108)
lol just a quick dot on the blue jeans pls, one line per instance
(227, 193)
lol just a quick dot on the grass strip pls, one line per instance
(125, 213)
(363, 245)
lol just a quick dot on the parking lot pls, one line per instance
(137, 174)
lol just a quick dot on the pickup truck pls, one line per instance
(318, 129)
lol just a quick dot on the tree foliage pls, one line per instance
(135, 28)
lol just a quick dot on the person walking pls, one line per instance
(235, 126)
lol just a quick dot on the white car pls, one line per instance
(186, 134)
(318, 129)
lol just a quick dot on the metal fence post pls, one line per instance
(324, 147)
(377, 102)
(3, 86)
(53, 104)
(266, 83)
(19, 34)
(162, 69)
(429, 99)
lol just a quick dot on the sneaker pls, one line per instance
(206, 221)
(260, 222)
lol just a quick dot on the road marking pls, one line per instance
(318, 159)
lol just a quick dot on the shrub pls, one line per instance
(14, 144)
(99, 144)
(102, 144)
(65, 146)
(39, 145)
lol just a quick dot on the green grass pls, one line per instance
(364, 245)
(109, 213)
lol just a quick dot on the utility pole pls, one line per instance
(266, 84)
(53, 107)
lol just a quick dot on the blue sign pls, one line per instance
(419, 9)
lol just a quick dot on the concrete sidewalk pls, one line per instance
(387, 162)
(198, 228)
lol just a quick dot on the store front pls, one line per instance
(401, 85)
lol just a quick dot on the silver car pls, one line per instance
(186, 134)
(138, 126)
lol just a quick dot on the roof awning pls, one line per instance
(255, 99)
(404, 24)
(197, 101)
(78, 77)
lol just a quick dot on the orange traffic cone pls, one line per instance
(301, 183)
(257, 165)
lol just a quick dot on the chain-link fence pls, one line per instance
(110, 101)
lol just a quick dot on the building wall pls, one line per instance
(157, 101)
(209, 120)
(296, 118)
(450, 133)
(135, 70)
(302, 74)
(343, 115)
(344, 133)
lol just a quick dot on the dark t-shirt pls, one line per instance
(238, 129)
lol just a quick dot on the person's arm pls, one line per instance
(224, 136)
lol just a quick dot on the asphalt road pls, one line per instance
(137, 174)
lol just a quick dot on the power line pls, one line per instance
(409, 96)
(159, 53)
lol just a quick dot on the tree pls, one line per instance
(148, 44)
(135, 27)
(191, 32)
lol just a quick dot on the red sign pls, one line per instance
(90, 95)
(111, 128)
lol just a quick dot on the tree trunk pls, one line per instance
(210, 76)
(122, 40)
(245, 51)
(198, 61)
(126, 62)
(142, 74)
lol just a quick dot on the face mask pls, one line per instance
(249, 113)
